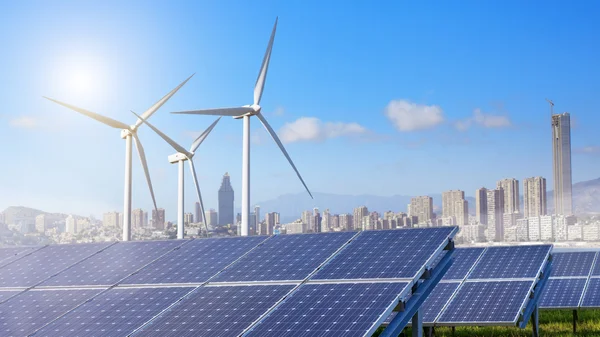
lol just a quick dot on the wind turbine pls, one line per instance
(179, 157)
(128, 132)
(245, 112)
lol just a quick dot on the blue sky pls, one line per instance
(386, 98)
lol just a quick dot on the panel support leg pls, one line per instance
(535, 322)
(429, 331)
(417, 325)
(453, 330)
(575, 318)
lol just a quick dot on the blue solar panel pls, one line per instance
(562, 293)
(285, 257)
(497, 302)
(5, 295)
(195, 262)
(216, 311)
(399, 253)
(591, 299)
(596, 270)
(113, 264)
(45, 262)
(572, 264)
(463, 261)
(511, 262)
(30, 310)
(10, 254)
(434, 303)
(117, 312)
(341, 310)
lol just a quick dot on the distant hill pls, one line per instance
(21, 212)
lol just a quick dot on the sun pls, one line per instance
(81, 80)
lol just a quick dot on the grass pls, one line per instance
(553, 323)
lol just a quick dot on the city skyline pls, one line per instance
(467, 123)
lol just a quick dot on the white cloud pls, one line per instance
(24, 122)
(484, 120)
(313, 129)
(279, 111)
(408, 116)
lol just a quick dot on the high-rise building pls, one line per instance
(534, 197)
(226, 201)
(211, 217)
(326, 221)
(137, 217)
(158, 219)
(257, 216)
(495, 208)
(252, 229)
(316, 220)
(111, 219)
(511, 194)
(277, 218)
(481, 208)
(188, 218)
(359, 214)
(197, 212)
(455, 207)
(346, 222)
(269, 224)
(461, 212)
(422, 208)
(561, 150)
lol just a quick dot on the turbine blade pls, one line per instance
(142, 154)
(276, 139)
(203, 136)
(262, 75)
(102, 119)
(171, 142)
(198, 193)
(238, 111)
(160, 103)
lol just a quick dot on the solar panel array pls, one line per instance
(277, 285)
(574, 283)
(486, 286)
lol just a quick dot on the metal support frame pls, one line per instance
(531, 310)
(429, 331)
(421, 290)
(575, 318)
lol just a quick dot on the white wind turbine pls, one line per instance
(179, 157)
(245, 112)
(128, 132)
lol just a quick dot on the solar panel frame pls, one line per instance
(452, 273)
(490, 253)
(572, 264)
(591, 296)
(557, 301)
(11, 254)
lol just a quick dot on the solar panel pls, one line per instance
(562, 293)
(343, 309)
(195, 262)
(216, 311)
(433, 305)
(6, 294)
(497, 302)
(113, 264)
(463, 261)
(45, 262)
(572, 263)
(285, 257)
(591, 299)
(116, 312)
(400, 253)
(596, 270)
(511, 262)
(30, 310)
(10, 254)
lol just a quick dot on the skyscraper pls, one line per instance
(158, 219)
(561, 150)
(481, 206)
(422, 207)
(211, 217)
(455, 206)
(511, 194)
(534, 197)
(225, 201)
(256, 216)
(137, 218)
(197, 214)
(495, 215)
(188, 218)
(359, 214)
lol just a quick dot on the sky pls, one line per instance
(384, 98)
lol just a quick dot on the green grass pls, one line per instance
(553, 323)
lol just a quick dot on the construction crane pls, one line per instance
(551, 106)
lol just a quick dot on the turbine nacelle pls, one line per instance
(254, 107)
(177, 157)
(127, 132)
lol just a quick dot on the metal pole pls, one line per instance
(417, 325)
(127, 192)
(535, 322)
(180, 202)
(246, 177)
(575, 321)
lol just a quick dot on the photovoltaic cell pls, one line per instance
(10, 254)
(591, 299)
(434, 303)
(45, 262)
(340, 310)
(113, 264)
(562, 293)
(596, 270)
(397, 253)
(511, 262)
(117, 312)
(195, 262)
(463, 261)
(30, 310)
(285, 257)
(572, 263)
(496, 302)
(5, 295)
(216, 311)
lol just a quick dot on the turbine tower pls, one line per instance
(245, 112)
(128, 132)
(179, 157)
